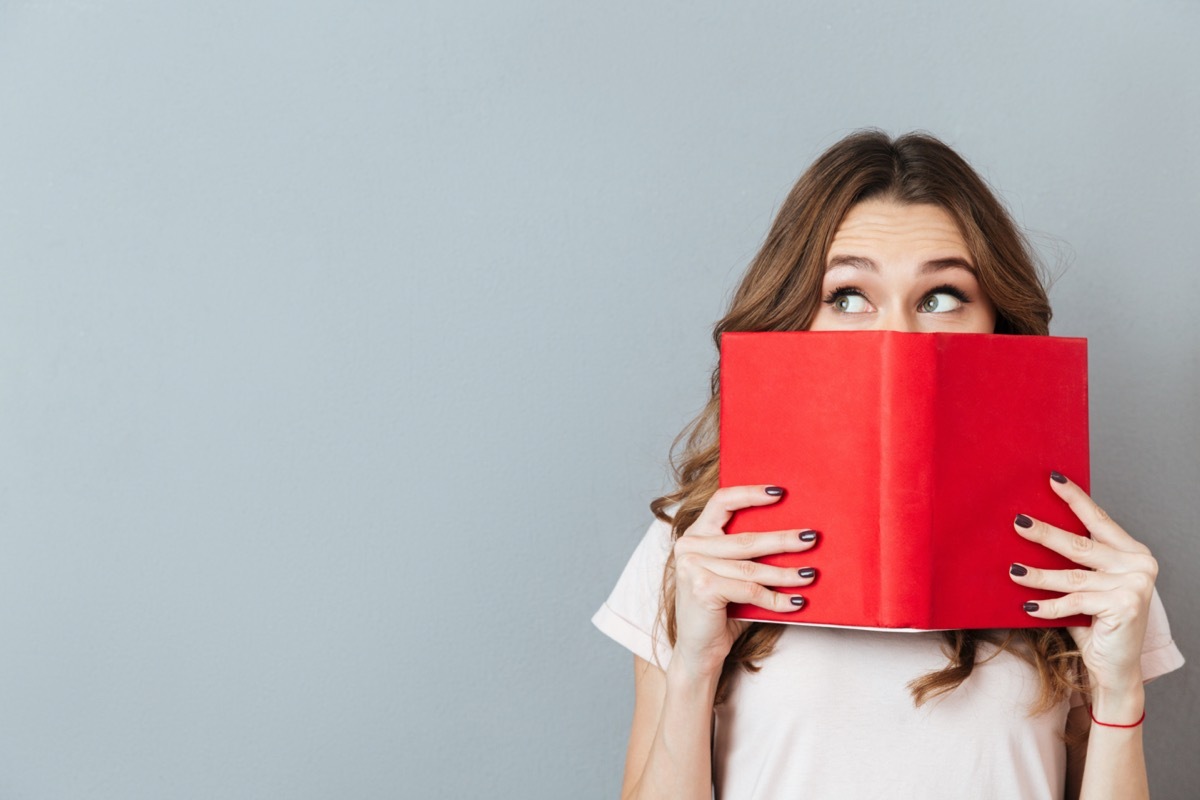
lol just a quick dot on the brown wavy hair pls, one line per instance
(781, 292)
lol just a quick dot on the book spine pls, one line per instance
(908, 434)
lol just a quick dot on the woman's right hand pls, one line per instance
(713, 569)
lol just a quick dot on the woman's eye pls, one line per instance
(940, 303)
(850, 303)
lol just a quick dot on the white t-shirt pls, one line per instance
(829, 714)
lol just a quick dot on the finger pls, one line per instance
(716, 592)
(1080, 549)
(726, 500)
(1064, 580)
(1094, 518)
(1083, 549)
(743, 546)
(1116, 607)
(765, 574)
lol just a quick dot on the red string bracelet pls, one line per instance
(1141, 719)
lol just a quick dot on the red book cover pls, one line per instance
(910, 453)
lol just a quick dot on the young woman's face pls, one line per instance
(901, 268)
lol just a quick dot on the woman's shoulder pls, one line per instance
(650, 556)
(630, 614)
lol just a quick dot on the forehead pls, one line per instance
(891, 229)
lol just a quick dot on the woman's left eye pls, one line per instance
(941, 302)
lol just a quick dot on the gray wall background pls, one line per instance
(342, 345)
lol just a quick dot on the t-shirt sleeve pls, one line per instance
(628, 615)
(1159, 653)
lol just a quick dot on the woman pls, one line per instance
(900, 235)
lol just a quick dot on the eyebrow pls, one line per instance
(936, 265)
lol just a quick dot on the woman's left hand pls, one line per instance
(1115, 588)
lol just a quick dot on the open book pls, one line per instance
(910, 453)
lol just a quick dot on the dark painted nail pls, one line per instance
(797, 601)
(808, 572)
(1030, 606)
(775, 491)
(808, 536)
(1017, 569)
(1024, 521)
(1058, 477)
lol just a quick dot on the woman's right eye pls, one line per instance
(847, 301)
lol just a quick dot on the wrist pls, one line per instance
(693, 678)
(1123, 706)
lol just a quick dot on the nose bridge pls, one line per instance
(896, 320)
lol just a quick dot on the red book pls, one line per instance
(910, 453)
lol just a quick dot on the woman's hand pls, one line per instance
(713, 569)
(1115, 590)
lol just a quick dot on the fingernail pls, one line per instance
(1058, 477)
(808, 572)
(1030, 606)
(797, 600)
(1024, 521)
(808, 536)
(1017, 569)
(775, 491)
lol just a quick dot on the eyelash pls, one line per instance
(945, 288)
